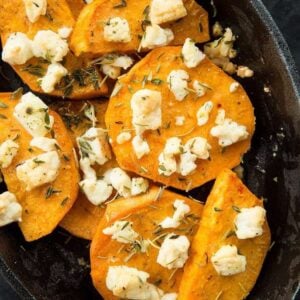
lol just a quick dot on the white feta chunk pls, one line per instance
(10, 209)
(181, 209)
(65, 32)
(55, 73)
(155, 36)
(123, 137)
(140, 146)
(249, 222)
(170, 296)
(178, 83)
(234, 87)
(191, 54)
(173, 146)
(227, 261)
(17, 49)
(87, 170)
(8, 150)
(244, 72)
(39, 170)
(173, 252)
(187, 163)
(111, 71)
(198, 146)
(139, 185)
(117, 30)
(166, 11)
(146, 110)
(33, 114)
(167, 164)
(34, 9)
(199, 88)
(43, 143)
(204, 112)
(122, 232)
(116, 60)
(179, 120)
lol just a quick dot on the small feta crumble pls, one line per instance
(122, 232)
(50, 46)
(34, 9)
(173, 146)
(169, 296)
(17, 49)
(217, 29)
(65, 32)
(204, 112)
(146, 110)
(179, 120)
(155, 36)
(88, 1)
(192, 56)
(111, 71)
(120, 181)
(93, 145)
(43, 143)
(166, 11)
(55, 73)
(87, 170)
(181, 209)
(234, 87)
(123, 137)
(130, 283)
(198, 146)
(39, 170)
(139, 185)
(173, 252)
(96, 191)
(199, 88)
(229, 132)
(187, 163)
(244, 72)
(10, 209)
(117, 30)
(167, 164)
(8, 150)
(178, 83)
(227, 261)
(140, 146)
(33, 114)
(249, 222)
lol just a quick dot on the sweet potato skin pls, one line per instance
(200, 280)
(88, 32)
(161, 62)
(13, 19)
(40, 215)
(144, 211)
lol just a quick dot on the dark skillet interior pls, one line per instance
(56, 267)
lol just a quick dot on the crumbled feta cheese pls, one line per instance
(130, 283)
(55, 73)
(93, 144)
(50, 46)
(181, 209)
(200, 89)
(122, 232)
(10, 209)
(87, 170)
(234, 87)
(139, 185)
(140, 146)
(64, 32)
(173, 146)
(119, 180)
(8, 150)
(244, 72)
(227, 261)
(249, 222)
(116, 60)
(229, 132)
(155, 36)
(217, 29)
(88, 1)
(220, 118)
(198, 146)
(173, 252)
(111, 71)
(187, 163)
(146, 110)
(44, 143)
(39, 170)
(179, 120)
(117, 30)
(123, 137)
(203, 113)
(169, 296)
(178, 83)
(17, 49)
(192, 56)
(166, 11)
(96, 191)
(34, 9)
(33, 114)
(167, 164)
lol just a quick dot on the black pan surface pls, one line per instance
(57, 267)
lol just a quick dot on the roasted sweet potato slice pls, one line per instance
(76, 7)
(88, 36)
(200, 280)
(146, 212)
(158, 64)
(42, 210)
(13, 19)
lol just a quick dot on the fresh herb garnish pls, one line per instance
(123, 3)
(35, 70)
(51, 191)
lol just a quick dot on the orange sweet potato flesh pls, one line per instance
(13, 19)
(40, 214)
(161, 62)
(88, 36)
(200, 280)
(145, 212)
(76, 7)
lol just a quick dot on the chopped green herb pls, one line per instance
(16, 94)
(217, 209)
(51, 191)
(3, 105)
(64, 201)
(123, 3)
(35, 70)
(162, 167)
(38, 161)
(157, 81)
(235, 208)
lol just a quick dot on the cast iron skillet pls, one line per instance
(56, 267)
